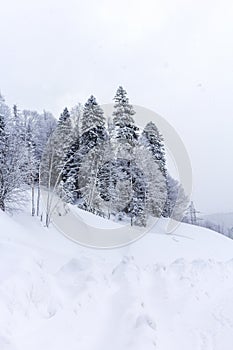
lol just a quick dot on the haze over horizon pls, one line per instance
(174, 57)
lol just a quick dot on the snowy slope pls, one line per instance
(165, 292)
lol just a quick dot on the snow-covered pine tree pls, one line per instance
(126, 132)
(107, 180)
(72, 161)
(115, 185)
(63, 139)
(17, 122)
(129, 187)
(137, 205)
(13, 173)
(93, 135)
(69, 177)
(153, 140)
(93, 131)
(125, 139)
(153, 181)
(93, 115)
(123, 111)
(18, 133)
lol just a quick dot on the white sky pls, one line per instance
(172, 56)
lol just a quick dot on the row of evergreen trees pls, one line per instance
(110, 167)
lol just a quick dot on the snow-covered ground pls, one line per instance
(165, 292)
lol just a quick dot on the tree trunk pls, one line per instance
(2, 204)
(47, 220)
(38, 201)
(33, 198)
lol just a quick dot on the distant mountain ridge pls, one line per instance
(225, 219)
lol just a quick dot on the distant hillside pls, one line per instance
(224, 220)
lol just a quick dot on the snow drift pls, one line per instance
(162, 292)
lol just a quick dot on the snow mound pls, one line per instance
(94, 220)
(162, 292)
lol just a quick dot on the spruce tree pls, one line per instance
(153, 140)
(125, 139)
(70, 172)
(153, 181)
(93, 130)
(18, 122)
(93, 115)
(125, 129)
(93, 135)
(123, 111)
(59, 146)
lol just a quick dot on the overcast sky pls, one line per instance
(174, 57)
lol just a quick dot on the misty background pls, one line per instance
(174, 57)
